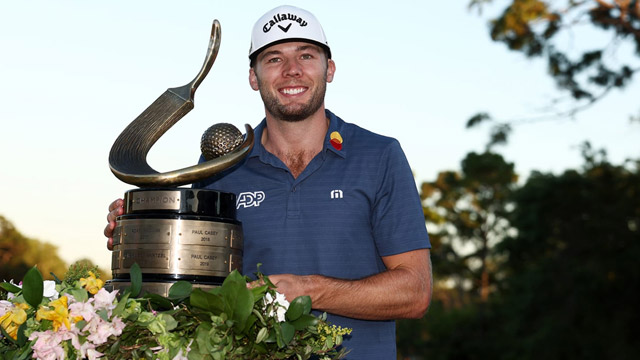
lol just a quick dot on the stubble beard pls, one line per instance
(293, 113)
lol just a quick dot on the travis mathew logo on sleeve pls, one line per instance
(283, 17)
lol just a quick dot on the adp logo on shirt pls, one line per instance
(249, 199)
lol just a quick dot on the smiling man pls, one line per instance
(329, 209)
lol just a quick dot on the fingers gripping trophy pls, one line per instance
(175, 233)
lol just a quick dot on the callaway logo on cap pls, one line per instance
(286, 23)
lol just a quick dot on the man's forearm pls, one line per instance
(403, 291)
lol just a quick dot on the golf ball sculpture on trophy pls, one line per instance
(177, 233)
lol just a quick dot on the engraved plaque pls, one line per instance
(146, 232)
(207, 233)
(203, 260)
(155, 200)
(146, 258)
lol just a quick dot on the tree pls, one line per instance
(569, 279)
(466, 213)
(571, 275)
(19, 253)
(536, 28)
(466, 216)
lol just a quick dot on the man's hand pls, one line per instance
(116, 209)
(291, 286)
(403, 291)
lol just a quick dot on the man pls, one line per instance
(339, 216)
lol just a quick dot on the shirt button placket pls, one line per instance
(293, 205)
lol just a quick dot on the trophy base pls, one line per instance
(157, 287)
(176, 234)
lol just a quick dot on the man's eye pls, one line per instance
(306, 56)
(273, 60)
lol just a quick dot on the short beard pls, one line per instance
(290, 113)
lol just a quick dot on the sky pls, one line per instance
(74, 74)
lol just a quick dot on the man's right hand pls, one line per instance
(116, 209)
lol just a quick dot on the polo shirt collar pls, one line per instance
(333, 141)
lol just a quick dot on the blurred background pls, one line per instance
(520, 119)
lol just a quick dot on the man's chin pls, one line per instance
(294, 114)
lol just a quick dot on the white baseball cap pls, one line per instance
(283, 24)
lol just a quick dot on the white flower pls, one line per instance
(49, 287)
(280, 304)
(50, 290)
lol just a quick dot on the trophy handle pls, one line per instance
(128, 156)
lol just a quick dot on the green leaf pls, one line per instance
(22, 339)
(80, 295)
(300, 305)
(238, 299)
(33, 287)
(180, 290)
(250, 321)
(6, 335)
(279, 340)
(136, 279)
(207, 301)
(202, 337)
(55, 278)
(287, 332)
(10, 287)
(161, 302)
(305, 321)
(122, 304)
(259, 291)
(262, 335)
(170, 322)
(81, 324)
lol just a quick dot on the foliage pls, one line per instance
(232, 321)
(539, 28)
(19, 253)
(572, 270)
(568, 280)
(466, 215)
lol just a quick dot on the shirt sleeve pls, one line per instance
(398, 219)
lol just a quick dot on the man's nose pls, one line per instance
(293, 68)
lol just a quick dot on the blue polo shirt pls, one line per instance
(355, 202)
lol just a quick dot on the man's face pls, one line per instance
(292, 79)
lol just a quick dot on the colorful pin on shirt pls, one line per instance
(336, 140)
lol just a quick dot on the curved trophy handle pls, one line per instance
(128, 156)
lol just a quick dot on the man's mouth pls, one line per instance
(293, 90)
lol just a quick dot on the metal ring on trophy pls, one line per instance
(128, 156)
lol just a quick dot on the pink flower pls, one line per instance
(100, 330)
(48, 344)
(104, 299)
(93, 354)
(88, 351)
(82, 309)
(5, 306)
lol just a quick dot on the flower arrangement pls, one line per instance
(76, 318)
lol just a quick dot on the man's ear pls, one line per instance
(253, 79)
(331, 70)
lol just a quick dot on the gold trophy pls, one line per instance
(175, 233)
